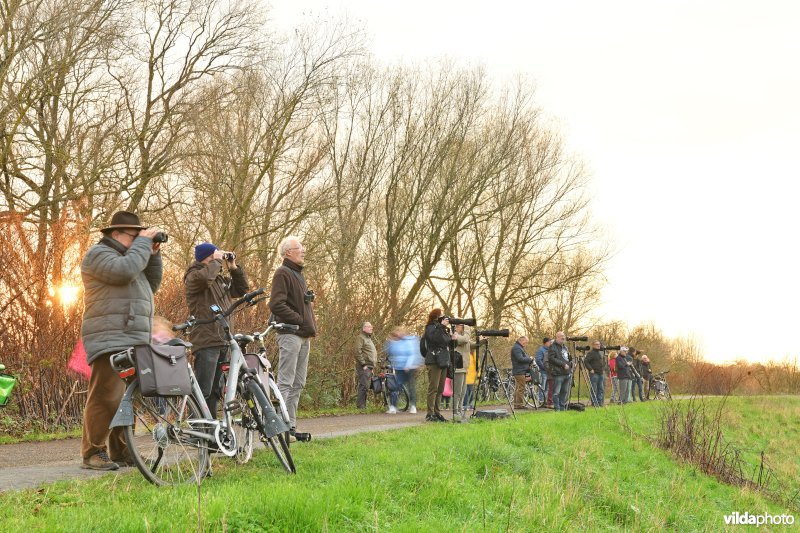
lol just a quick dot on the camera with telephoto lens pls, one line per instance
(161, 236)
(492, 333)
(309, 296)
(577, 339)
(459, 321)
(229, 256)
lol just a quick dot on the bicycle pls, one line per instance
(490, 385)
(533, 388)
(402, 392)
(660, 386)
(7, 383)
(260, 361)
(170, 438)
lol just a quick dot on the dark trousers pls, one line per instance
(208, 373)
(436, 377)
(102, 401)
(364, 378)
(636, 383)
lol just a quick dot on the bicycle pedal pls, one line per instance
(233, 407)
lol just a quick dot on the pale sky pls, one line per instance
(688, 117)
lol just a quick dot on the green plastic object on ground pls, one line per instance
(7, 383)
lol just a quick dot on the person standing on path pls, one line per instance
(120, 274)
(366, 360)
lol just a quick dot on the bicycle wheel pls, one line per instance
(163, 453)
(280, 442)
(531, 395)
(244, 426)
(402, 399)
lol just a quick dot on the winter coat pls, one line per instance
(206, 285)
(366, 353)
(623, 370)
(520, 360)
(463, 347)
(541, 355)
(118, 302)
(557, 357)
(287, 299)
(437, 340)
(596, 360)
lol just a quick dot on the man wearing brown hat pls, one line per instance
(120, 275)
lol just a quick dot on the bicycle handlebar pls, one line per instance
(247, 298)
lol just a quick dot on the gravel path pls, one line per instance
(31, 464)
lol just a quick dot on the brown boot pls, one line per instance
(99, 461)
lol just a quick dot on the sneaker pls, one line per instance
(392, 410)
(412, 410)
(99, 461)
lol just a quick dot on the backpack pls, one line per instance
(423, 346)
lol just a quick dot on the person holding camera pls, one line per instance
(647, 375)
(541, 355)
(120, 275)
(597, 364)
(366, 359)
(560, 370)
(637, 381)
(520, 363)
(436, 343)
(206, 284)
(291, 302)
(624, 375)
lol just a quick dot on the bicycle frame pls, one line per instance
(273, 386)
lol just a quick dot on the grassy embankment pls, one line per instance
(551, 471)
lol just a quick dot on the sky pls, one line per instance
(687, 115)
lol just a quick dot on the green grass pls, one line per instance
(552, 471)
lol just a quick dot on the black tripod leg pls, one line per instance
(505, 389)
(479, 370)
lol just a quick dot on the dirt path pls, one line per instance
(30, 464)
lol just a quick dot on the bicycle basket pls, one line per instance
(7, 383)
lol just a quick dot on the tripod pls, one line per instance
(583, 375)
(480, 368)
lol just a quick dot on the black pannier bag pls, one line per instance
(162, 370)
(377, 386)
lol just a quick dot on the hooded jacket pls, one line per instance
(206, 285)
(118, 305)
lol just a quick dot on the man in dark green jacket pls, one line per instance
(206, 284)
(120, 274)
(366, 359)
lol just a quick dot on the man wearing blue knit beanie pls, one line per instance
(206, 284)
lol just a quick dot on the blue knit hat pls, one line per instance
(203, 250)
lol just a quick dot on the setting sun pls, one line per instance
(67, 293)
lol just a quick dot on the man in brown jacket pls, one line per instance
(291, 303)
(206, 284)
(366, 359)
